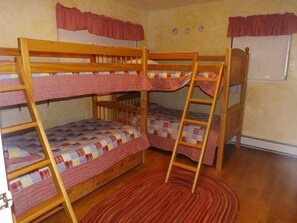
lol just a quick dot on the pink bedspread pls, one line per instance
(168, 80)
(55, 86)
(174, 80)
(163, 126)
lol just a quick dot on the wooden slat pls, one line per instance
(79, 67)
(184, 166)
(7, 67)
(19, 172)
(39, 46)
(118, 106)
(172, 55)
(211, 58)
(12, 88)
(40, 209)
(18, 127)
(200, 101)
(195, 122)
(195, 146)
(6, 51)
(170, 67)
(202, 79)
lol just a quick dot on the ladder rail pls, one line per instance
(35, 123)
(206, 134)
(184, 114)
(184, 120)
(44, 142)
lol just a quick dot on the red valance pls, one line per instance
(73, 19)
(263, 25)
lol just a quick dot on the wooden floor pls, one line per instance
(266, 185)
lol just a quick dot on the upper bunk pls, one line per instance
(57, 70)
(170, 71)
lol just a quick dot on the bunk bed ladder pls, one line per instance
(49, 161)
(185, 120)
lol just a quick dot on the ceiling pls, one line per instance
(151, 5)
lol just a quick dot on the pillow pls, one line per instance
(152, 62)
(206, 74)
(11, 151)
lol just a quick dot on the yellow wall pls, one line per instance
(37, 19)
(270, 108)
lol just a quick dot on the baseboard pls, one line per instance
(269, 146)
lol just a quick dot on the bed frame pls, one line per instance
(99, 58)
(235, 73)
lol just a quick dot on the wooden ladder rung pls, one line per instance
(62, 199)
(201, 146)
(196, 122)
(19, 127)
(40, 209)
(21, 171)
(184, 166)
(195, 146)
(203, 79)
(200, 101)
(12, 88)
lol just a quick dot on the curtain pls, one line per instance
(73, 19)
(263, 25)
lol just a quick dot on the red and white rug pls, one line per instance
(149, 199)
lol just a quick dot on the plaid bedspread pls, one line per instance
(72, 144)
(164, 122)
(174, 80)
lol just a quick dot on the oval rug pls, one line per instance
(149, 199)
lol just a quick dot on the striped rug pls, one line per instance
(149, 199)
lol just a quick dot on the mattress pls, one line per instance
(162, 129)
(64, 85)
(81, 149)
(162, 80)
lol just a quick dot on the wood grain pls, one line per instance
(265, 184)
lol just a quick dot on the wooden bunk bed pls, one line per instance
(225, 126)
(76, 69)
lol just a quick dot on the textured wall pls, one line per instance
(270, 108)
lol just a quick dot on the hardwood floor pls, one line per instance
(265, 183)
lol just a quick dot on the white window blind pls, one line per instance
(269, 56)
(83, 36)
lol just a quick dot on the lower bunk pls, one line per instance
(162, 123)
(88, 153)
(162, 130)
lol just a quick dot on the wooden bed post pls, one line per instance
(26, 63)
(242, 98)
(144, 100)
(224, 108)
(232, 117)
(95, 112)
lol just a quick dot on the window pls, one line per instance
(269, 56)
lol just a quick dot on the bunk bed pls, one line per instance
(225, 126)
(91, 152)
